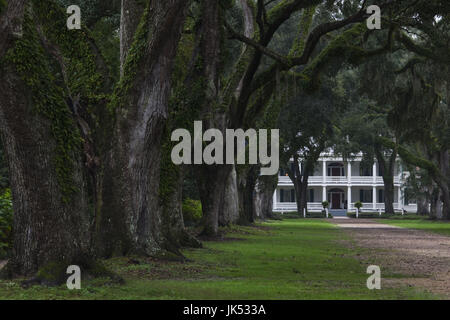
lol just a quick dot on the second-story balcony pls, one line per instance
(340, 180)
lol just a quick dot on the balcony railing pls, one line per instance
(317, 206)
(361, 180)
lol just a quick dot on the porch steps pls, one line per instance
(338, 212)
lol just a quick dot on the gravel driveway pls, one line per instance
(424, 258)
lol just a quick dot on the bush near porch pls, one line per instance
(373, 214)
(295, 215)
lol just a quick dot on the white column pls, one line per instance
(374, 197)
(275, 202)
(324, 193)
(400, 205)
(324, 171)
(349, 198)
(349, 172)
(374, 172)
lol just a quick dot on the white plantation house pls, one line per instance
(342, 183)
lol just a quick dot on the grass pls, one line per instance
(440, 227)
(289, 259)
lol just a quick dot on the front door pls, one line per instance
(335, 200)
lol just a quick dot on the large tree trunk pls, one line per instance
(52, 216)
(230, 208)
(174, 232)
(388, 194)
(132, 215)
(423, 206)
(48, 226)
(300, 181)
(211, 179)
(211, 186)
(246, 187)
(301, 188)
(388, 179)
(265, 188)
(445, 182)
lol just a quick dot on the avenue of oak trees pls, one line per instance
(88, 148)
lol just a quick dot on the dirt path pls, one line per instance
(423, 257)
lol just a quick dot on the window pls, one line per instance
(287, 195)
(310, 195)
(365, 195)
(335, 170)
(365, 171)
(380, 196)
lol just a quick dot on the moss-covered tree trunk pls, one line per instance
(210, 181)
(132, 213)
(247, 178)
(49, 225)
(43, 147)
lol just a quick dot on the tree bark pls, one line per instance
(131, 219)
(265, 188)
(422, 206)
(246, 186)
(52, 216)
(230, 209)
(388, 179)
(129, 20)
(211, 185)
(47, 229)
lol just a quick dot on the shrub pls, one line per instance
(358, 205)
(318, 215)
(192, 211)
(325, 204)
(6, 220)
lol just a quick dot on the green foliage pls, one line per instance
(134, 58)
(192, 211)
(316, 215)
(108, 41)
(363, 215)
(6, 222)
(43, 77)
(358, 204)
(325, 204)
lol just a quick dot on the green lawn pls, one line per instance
(290, 259)
(441, 227)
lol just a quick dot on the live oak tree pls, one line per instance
(423, 110)
(84, 163)
(414, 96)
(307, 129)
(237, 100)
